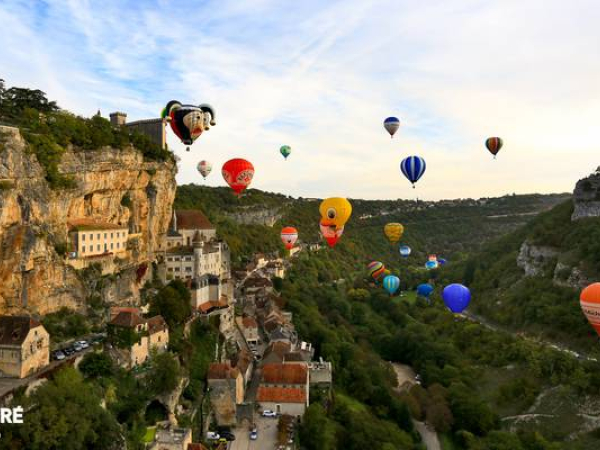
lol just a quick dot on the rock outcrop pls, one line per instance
(586, 197)
(115, 186)
(255, 216)
(535, 260)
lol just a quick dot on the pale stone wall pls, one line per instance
(97, 242)
(159, 340)
(31, 356)
(293, 409)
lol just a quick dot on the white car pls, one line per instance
(84, 344)
(212, 436)
(269, 413)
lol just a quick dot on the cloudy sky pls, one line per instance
(322, 76)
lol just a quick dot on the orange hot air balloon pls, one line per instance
(589, 300)
(289, 236)
(238, 174)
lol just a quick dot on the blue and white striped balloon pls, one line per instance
(391, 283)
(413, 168)
(391, 124)
(405, 251)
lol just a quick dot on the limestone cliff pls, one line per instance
(586, 197)
(114, 186)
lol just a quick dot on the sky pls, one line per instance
(321, 77)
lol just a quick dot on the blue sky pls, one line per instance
(322, 76)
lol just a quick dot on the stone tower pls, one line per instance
(118, 119)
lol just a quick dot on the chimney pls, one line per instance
(118, 119)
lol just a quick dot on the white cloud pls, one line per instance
(322, 78)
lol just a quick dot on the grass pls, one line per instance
(149, 435)
(352, 404)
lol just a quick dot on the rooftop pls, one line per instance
(222, 371)
(281, 395)
(191, 219)
(14, 329)
(127, 319)
(91, 224)
(249, 322)
(283, 373)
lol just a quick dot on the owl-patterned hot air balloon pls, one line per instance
(189, 121)
(413, 168)
(494, 144)
(393, 231)
(238, 174)
(204, 167)
(289, 236)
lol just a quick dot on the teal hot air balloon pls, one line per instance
(285, 150)
(391, 283)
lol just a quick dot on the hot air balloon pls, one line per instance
(424, 290)
(432, 258)
(456, 297)
(494, 144)
(188, 121)
(204, 167)
(413, 168)
(441, 261)
(238, 174)
(330, 234)
(289, 236)
(376, 269)
(429, 265)
(405, 251)
(391, 124)
(335, 212)
(285, 150)
(391, 283)
(589, 300)
(393, 231)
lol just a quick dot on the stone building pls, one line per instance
(284, 388)
(91, 238)
(172, 439)
(135, 337)
(249, 329)
(24, 346)
(153, 128)
(226, 385)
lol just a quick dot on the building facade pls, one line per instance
(24, 346)
(153, 128)
(284, 388)
(92, 238)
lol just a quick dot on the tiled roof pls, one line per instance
(127, 319)
(277, 373)
(243, 360)
(156, 324)
(14, 329)
(249, 322)
(192, 219)
(115, 310)
(222, 371)
(281, 395)
(210, 305)
(297, 356)
(91, 224)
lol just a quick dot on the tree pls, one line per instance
(317, 431)
(64, 413)
(163, 375)
(96, 365)
(173, 303)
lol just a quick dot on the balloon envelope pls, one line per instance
(494, 144)
(331, 234)
(424, 290)
(456, 297)
(204, 167)
(393, 231)
(285, 150)
(405, 251)
(335, 211)
(441, 261)
(391, 124)
(188, 121)
(238, 174)
(589, 300)
(289, 236)
(391, 283)
(413, 168)
(376, 269)
(431, 265)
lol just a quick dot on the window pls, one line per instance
(105, 247)
(91, 236)
(111, 235)
(83, 237)
(98, 237)
(111, 245)
(170, 269)
(118, 245)
(176, 269)
(118, 233)
(98, 246)
(83, 249)
(105, 235)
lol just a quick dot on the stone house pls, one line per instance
(24, 346)
(244, 362)
(135, 337)
(172, 439)
(275, 352)
(284, 388)
(249, 329)
(226, 388)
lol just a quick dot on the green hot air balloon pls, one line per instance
(285, 150)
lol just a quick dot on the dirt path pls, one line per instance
(406, 378)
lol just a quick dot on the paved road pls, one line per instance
(267, 436)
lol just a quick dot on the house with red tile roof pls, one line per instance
(284, 388)
(226, 388)
(24, 346)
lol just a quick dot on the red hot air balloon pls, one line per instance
(330, 234)
(238, 174)
(589, 301)
(289, 236)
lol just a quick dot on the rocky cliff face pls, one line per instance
(534, 260)
(114, 186)
(586, 197)
(256, 216)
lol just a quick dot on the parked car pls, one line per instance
(77, 347)
(212, 436)
(254, 434)
(269, 413)
(228, 435)
(84, 344)
(59, 356)
(68, 351)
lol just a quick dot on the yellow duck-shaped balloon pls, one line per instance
(335, 212)
(393, 231)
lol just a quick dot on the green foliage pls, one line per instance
(64, 413)
(65, 324)
(164, 372)
(49, 154)
(95, 365)
(173, 303)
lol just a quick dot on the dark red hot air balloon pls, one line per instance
(238, 174)
(494, 144)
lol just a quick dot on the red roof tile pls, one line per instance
(276, 373)
(249, 322)
(222, 371)
(156, 324)
(281, 395)
(192, 219)
(127, 319)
